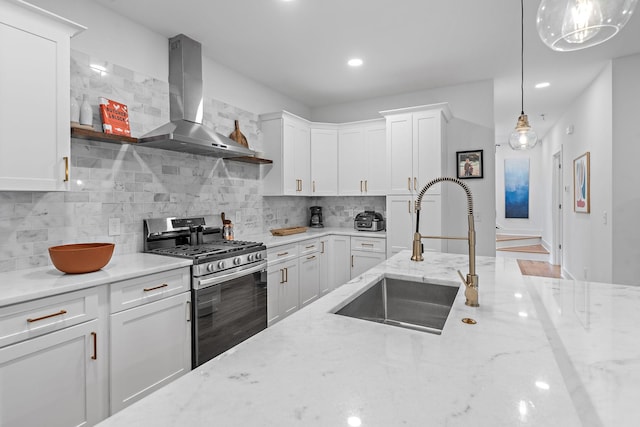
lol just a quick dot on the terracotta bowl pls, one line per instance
(81, 257)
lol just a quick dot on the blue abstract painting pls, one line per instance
(516, 188)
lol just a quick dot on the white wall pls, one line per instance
(626, 154)
(538, 190)
(119, 40)
(587, 240)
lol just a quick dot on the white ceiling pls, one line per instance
(300, 48)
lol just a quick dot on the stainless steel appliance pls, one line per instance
(369, 221)
(228, 281)
(316, 217)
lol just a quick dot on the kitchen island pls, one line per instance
(543, 352)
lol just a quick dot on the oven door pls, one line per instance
(228, 310)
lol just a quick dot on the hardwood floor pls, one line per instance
(535, 249)
(539, 268)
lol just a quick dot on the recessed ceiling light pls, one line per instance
(543, 85)
(355, 62)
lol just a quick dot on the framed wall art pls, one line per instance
(469, 164)
(582, 184)
(516, 187)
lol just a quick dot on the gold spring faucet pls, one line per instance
(471, 281)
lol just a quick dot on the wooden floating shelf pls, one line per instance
(80, 133)
(249, 159)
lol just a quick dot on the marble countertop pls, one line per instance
(24, 285)
(312, 233)
(543, 353)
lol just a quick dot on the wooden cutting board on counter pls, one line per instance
(288, 230)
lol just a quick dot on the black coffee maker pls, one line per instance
(316, 217)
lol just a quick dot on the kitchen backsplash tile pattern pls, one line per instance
(132, 183)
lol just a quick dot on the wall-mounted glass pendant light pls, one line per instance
(523, 137)
(566, 25)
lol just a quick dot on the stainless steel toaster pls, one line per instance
(369, 221)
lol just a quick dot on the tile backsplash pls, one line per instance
(132, 183)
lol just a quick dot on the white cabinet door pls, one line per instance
(34, 87)
(427, 149)
(287, 141)
(283, 293)
(361, 261)
(52, 380)
(375, 143)
(325, 266)
(150, 347)
(351, 163)
(341, 259)
(309, 279)
(400, 224)
(400, 154)
(324, 162)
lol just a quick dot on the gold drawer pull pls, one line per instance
(367, 244)
(66, 169)
(366, 185)
(409, 183)
(282, 275)
(311, 257)
(164, 285)
(283, 254)
(322, 251)
(95, 346)
(60, 313)
(415, 183)
(310, 246)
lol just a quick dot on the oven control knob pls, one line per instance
(210, 268)
(251, 257)
(237, 260)
(258, 256)
(221, 264)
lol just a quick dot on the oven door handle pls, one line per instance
(226, 277)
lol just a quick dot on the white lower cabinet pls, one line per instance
(150, 342)
(283, 294)
(309, 278)
(325, 266)
(340, 256)
(57, 377)
(366, 252)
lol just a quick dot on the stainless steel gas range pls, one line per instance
(228, 281)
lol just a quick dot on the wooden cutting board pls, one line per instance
(237, 136)
(287, 231)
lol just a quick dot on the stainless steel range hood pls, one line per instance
(185, 132)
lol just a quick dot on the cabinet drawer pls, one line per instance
(146, 289)
(308, 246)
(39, 317)
(368, 244)
(282, 253)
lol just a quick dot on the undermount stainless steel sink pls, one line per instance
(403, 303)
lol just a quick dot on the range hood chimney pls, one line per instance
(185, 132)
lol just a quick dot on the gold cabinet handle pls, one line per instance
(60, 313)
(415, 183)
(164, 285)
(409, 183)
(366, 185)
(188, 311)
(286, 275)
(351, 261)
(282, 275)
(95, 346)
(310, 246)
(367, 244)
(314, 186)
(361, 186)
(409, 206)
(283, 254)
(322, 250)
(311, 257)
(66, 169)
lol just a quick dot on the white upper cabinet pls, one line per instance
(34, 88)
(416, 147)
(324, 160)
(287, 141)
(361, 162)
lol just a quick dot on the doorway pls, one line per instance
(558, 192)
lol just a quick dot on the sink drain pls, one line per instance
(469, 321)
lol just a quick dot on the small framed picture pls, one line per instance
(582, 184)
(469, 164)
